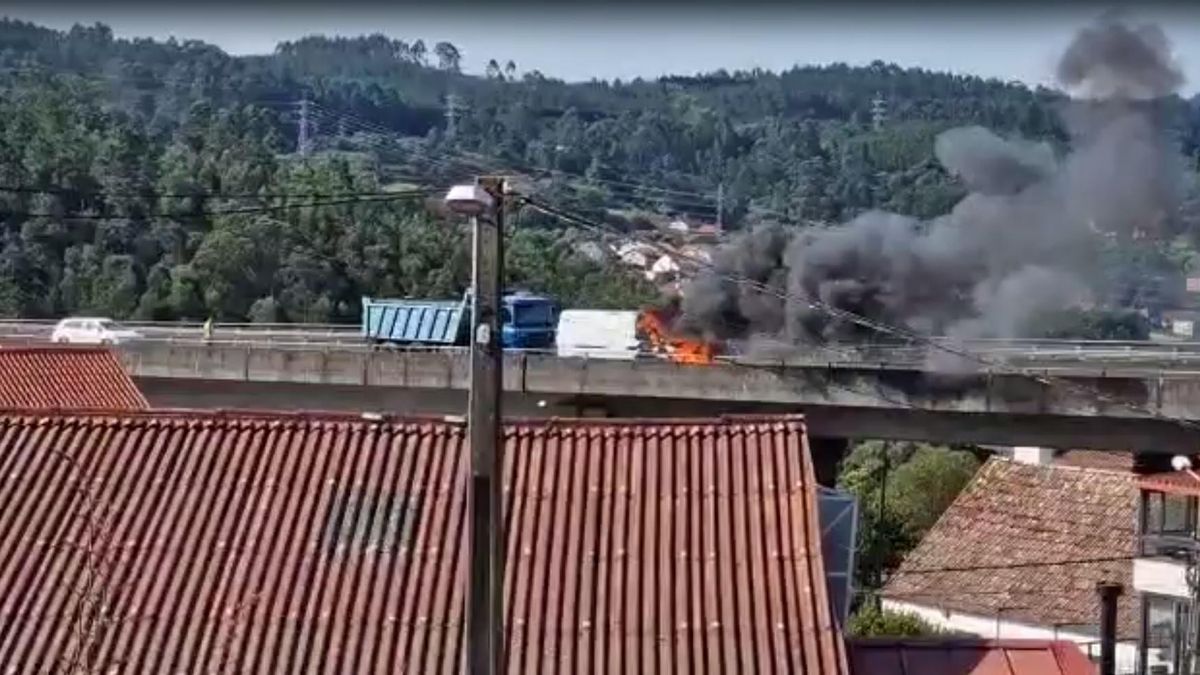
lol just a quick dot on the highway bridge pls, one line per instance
(1058, 355)
(1118, 395)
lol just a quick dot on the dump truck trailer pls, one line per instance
(527, 321)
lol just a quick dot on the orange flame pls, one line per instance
(652, 324)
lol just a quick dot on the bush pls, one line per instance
(871, 622)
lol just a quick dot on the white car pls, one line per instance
(92, 331)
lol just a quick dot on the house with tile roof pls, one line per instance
(1168, 548)
(1019, 553)
(66, 377)
(181, 541)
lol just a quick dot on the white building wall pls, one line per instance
(1033, 455)
(1160, 577)
(990, 628)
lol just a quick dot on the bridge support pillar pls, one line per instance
(827, 454)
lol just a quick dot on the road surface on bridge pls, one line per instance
(939, 354)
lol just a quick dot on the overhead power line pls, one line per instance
(227, 212)
(968, 593)
(865, 322)
(459, 167)
(1015, 565)
(150, 194)
(879, 396)
(709, 201)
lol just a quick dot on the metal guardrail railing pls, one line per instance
(816, 358)
(50, 323)
(258, 333)
(1040, 354)
(992, 344)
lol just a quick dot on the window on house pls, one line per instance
(1153, 512)
(368, 521)
(1162, 622)
(1170, 514)
(1177, 515)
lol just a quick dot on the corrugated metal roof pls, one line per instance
(955, 656)
(66, 377)
(420, 321)
(271, 542)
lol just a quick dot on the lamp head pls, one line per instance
(469, 200)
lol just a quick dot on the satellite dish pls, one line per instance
(1181, 463)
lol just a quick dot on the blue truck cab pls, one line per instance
(527, 321)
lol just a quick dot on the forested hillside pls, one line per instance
(151, 179)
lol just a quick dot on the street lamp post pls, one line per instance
(483, 202)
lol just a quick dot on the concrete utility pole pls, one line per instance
(485, 592)
(452, 110)
(720, 206)
(302, 140)
(879, 111)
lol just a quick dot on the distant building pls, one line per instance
(693, 231)
(43, 378)
(697, 252)
(679, 226)
(998, 563)
(636, 254)
(708, 232)
(664, 269)
(1181, 323)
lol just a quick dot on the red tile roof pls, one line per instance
(1030, 542)
(1096, 459)
(955, 656)
(331, 543)
(66, 377)
(1174, 482)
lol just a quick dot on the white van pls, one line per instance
(598, 334)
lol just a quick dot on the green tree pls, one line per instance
(264, 310)
(552, 264)
(449, 58)
(1095, 324)
(419, 52)
(902, 489)
(115, 291)
(131, 139)
(926, 484)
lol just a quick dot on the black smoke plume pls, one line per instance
(1022, 243)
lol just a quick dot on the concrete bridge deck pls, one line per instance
(1123, 404)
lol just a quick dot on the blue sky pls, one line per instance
(1017, 42)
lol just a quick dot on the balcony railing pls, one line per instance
(1178, 546)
